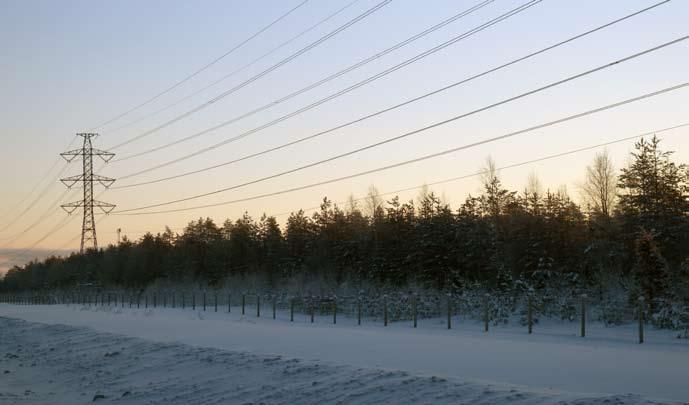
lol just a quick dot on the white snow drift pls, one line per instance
(176, 356)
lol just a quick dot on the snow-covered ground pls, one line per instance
(174, 356)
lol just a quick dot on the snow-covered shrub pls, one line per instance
(612, 312)
(501, 308)
(566, 308)
(684, 322)
(671, 315)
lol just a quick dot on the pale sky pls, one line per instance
(68, 66)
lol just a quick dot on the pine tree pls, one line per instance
(651, 269)
(654, 197)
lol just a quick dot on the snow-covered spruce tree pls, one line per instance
(651, 270)
(680, 283)
(680, 298)
(654, 195)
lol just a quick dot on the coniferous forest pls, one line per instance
(629, 236)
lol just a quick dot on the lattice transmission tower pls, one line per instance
(87, 178)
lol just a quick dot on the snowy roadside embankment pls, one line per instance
(238, 359)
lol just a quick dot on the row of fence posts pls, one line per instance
(86, 299)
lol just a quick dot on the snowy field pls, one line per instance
(75, 354)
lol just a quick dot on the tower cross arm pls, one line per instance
(71, 207)
(105, 155)
(72, 180)
(104, 206)
(105, 181)
(72, 154)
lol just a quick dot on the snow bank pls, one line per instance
(347, 363)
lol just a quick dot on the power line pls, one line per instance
(31, 192)
(511, 166)
(63, 246)
(185, 209)
(63, 222)
(347, 124)
(126, 232)
(325, 80)
(48, 212)
(40, 195)
(33, 203)
(238, 70)
(332, 96)
(466, 176)
(140, 233)
(69, 242)
(455, 118)
(259, 75)
(52, 208)
(203, 68)
(403, 163)
(462, 177)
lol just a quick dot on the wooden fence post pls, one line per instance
(275, 304)
(449, 311)
(243, 303)
(358, 310)
(529, 312)
(291, 309)
(486, 315)
(641, 319)
(583, 315)
(193, 301)
(215, 298)
(385, 310)
(335, 310)
(312, 309)
(414, 308)
(258, 305)
(204, 300)
(229, 303)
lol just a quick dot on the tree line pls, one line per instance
(631, 234)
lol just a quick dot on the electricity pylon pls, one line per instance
(88, 229)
